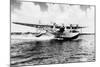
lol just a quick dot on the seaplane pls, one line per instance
(60, 32)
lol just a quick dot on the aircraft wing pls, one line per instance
(47, 26)
(35, 25)
(68, 27)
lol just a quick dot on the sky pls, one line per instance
(46, 13)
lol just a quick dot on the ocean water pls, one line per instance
(28, 52)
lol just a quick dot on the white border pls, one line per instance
(5, 33)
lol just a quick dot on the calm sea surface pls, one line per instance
(30, 52)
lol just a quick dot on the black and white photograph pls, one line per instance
(44, 33)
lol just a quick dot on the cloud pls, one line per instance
(15, 4)
(43, 5)
(61, 7)
(84, 7)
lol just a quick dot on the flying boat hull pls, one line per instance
(70, 37)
